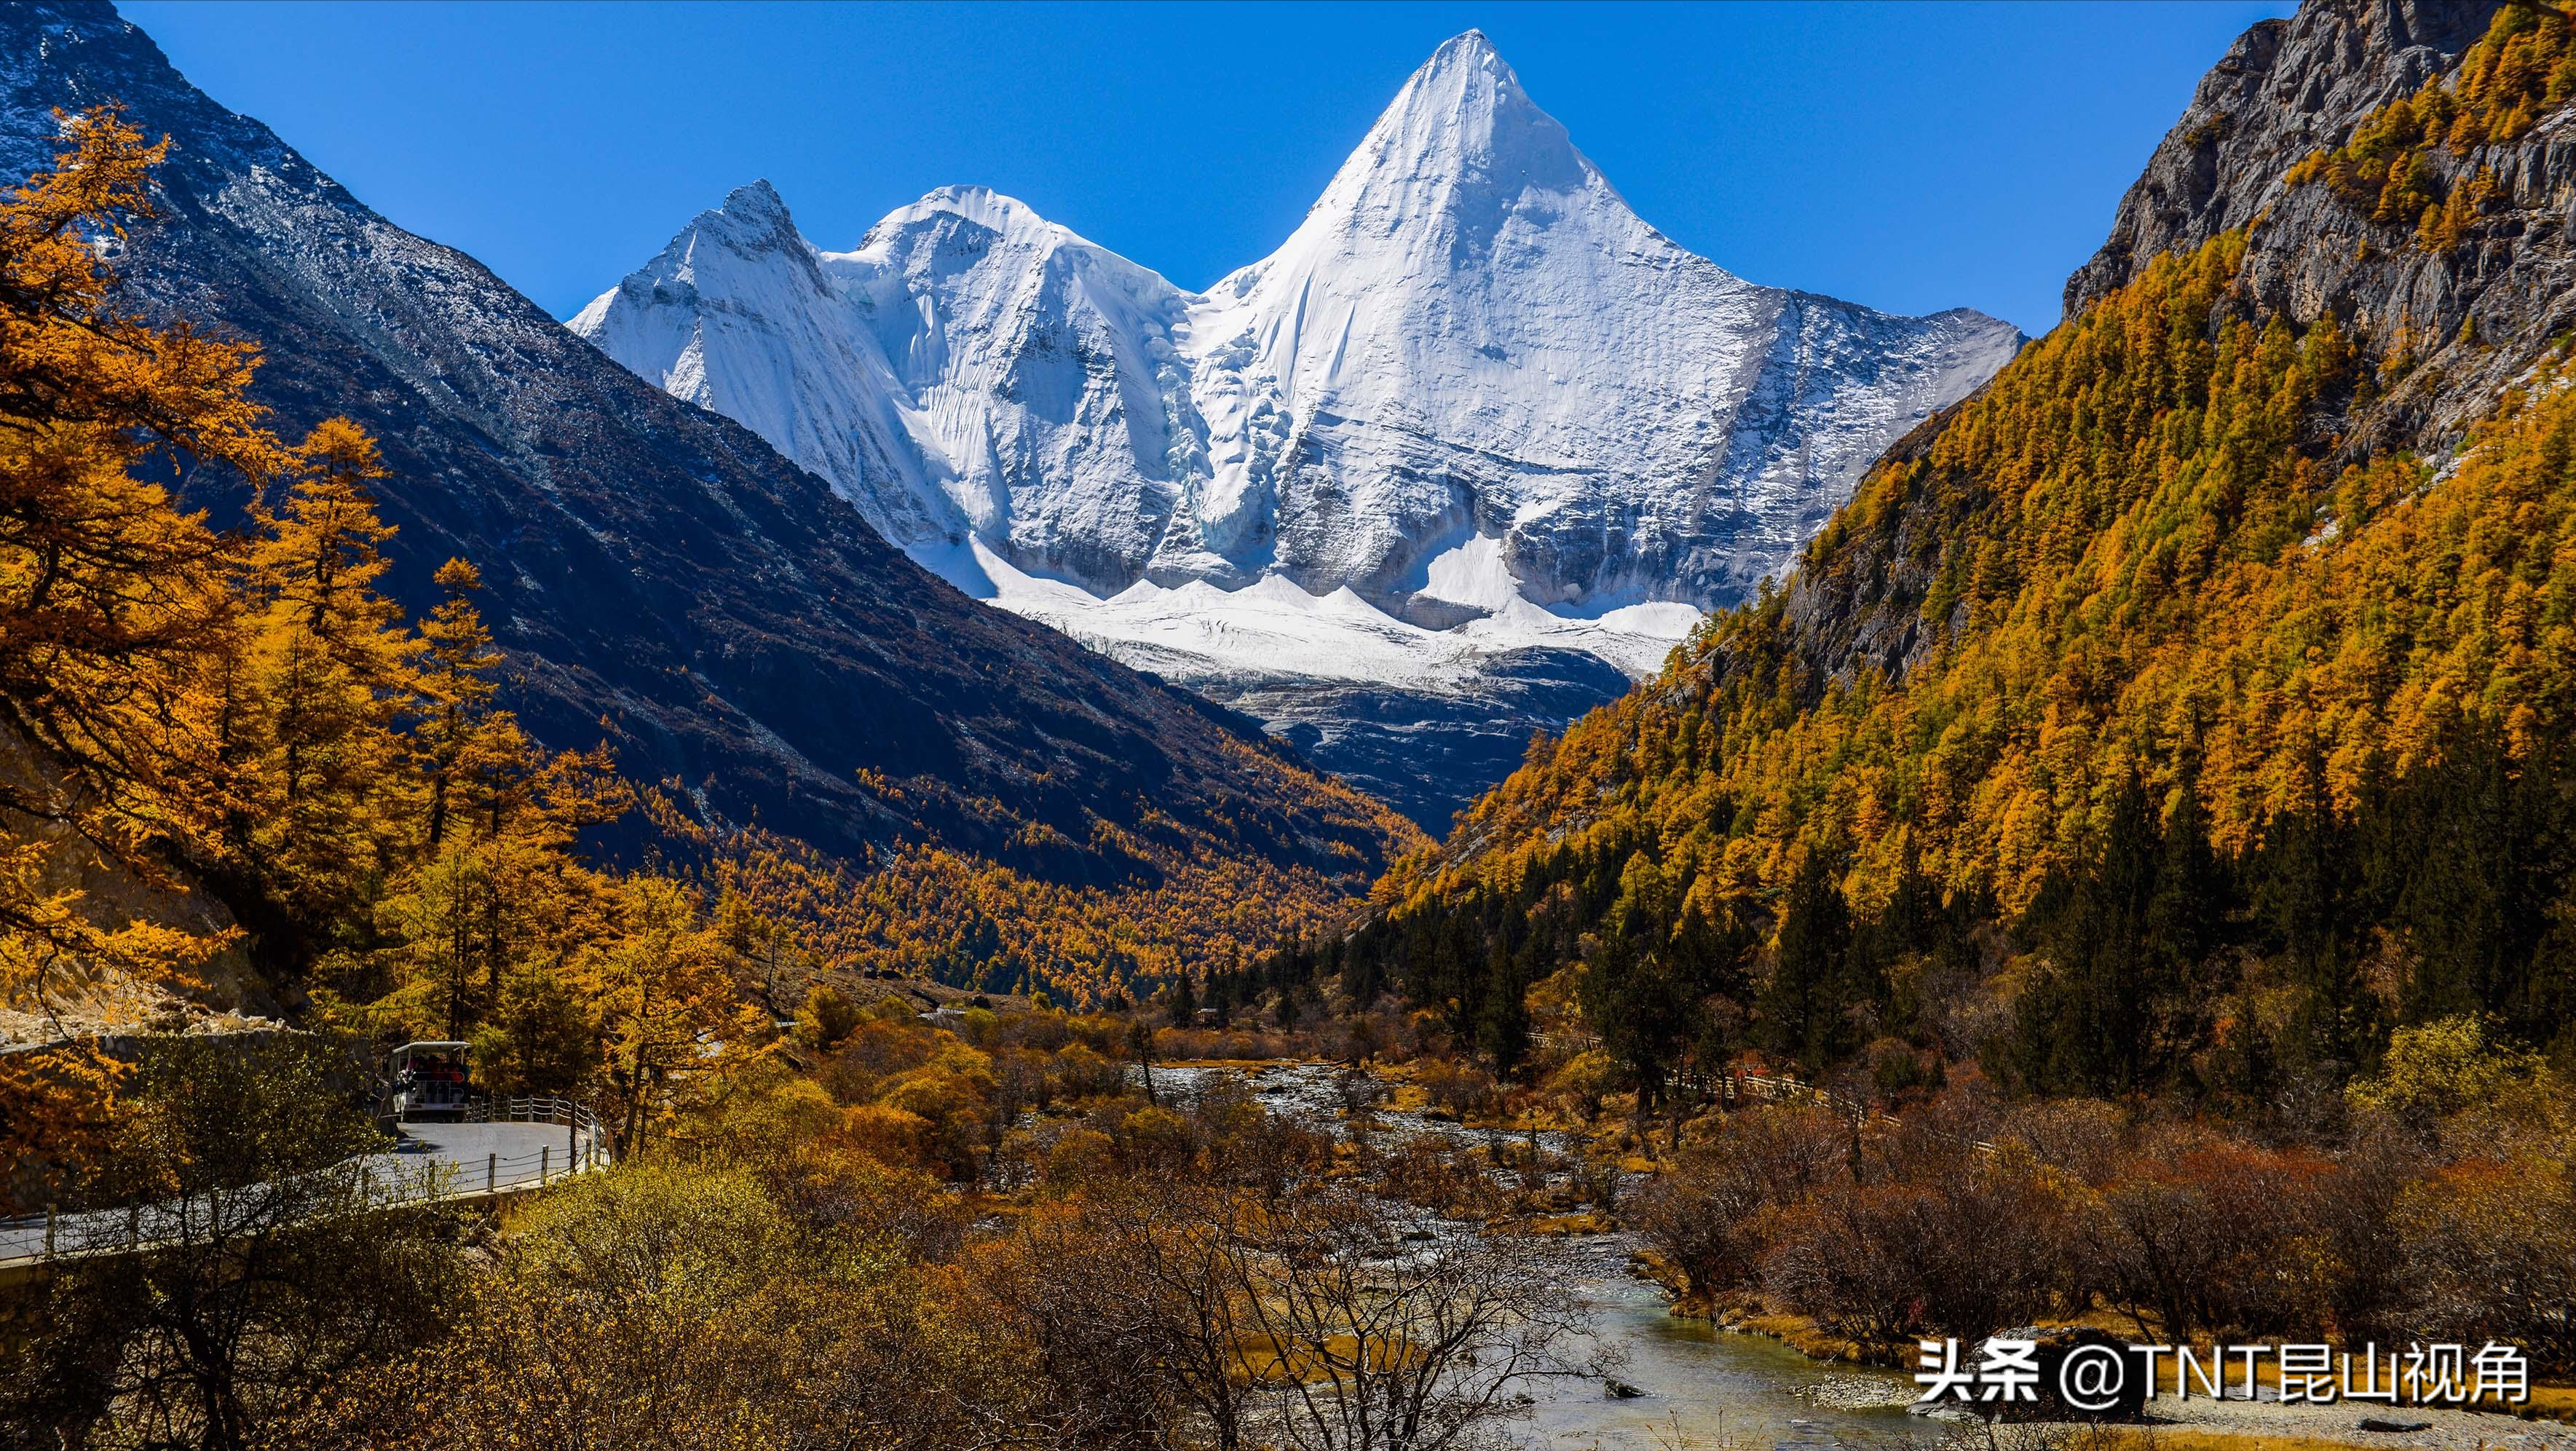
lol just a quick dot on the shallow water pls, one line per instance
(1702, 1388)
(1707, 1389)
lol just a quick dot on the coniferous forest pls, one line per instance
(2121, 882)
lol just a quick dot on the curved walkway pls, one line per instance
(430, 1162)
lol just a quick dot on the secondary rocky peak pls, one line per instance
(2285, 88)
(980, 205)
(757, 203)
(752, 221)
(748, 239)
(2468, 310)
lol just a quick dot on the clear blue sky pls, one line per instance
(1912, 157)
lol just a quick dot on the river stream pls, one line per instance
(1697, 1387)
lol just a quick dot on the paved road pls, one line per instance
(445, 1161)
(514, 1154)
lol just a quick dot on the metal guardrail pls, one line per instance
(389, 1184)
(521, 1171)
(571, 1113)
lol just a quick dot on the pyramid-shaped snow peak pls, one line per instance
(1472, 387)
(1461, 142)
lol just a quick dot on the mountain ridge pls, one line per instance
(658, 575)
(1472, 388)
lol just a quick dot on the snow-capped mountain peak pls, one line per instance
(1472, 388)
(1457, 142)
(754, 208)
(737, 315)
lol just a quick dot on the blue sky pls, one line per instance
(1912, 157)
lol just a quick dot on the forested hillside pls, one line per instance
(659, 582)
(2183, 711)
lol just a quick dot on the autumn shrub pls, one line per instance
(893, 1135)
(1460, 1089)
(2081, 1137)
(1081, 1072)
(1359, 1091)
(1043, 1031)
(2211, 1236)
(826, 1016)
(684, 1307)
(1237, 1043)
(950, 1099)
(874, 1051)
(1246, 1146)
(1582, 1081)
(1969, 1254)
(2490, 1254)
(2432, 1070)
(1423, 1171)
(2004, 1246)
(1849, 1257)
(1086, 1331)
(844, 1189)
(1154, 1140)
(1899, 1071)
(1079, 1155)
(860, 1170)
(2358, 1239)
(1709, 1214)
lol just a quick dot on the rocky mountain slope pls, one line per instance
(2293, 89)
(2454, 324)
(2181, 711)
(658, 574)
(1473, 390)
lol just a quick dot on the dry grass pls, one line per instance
(1812, 1340)
(1564, 1224)
(2056, 1436)
(2199, 1440)
(1262, 1359)
(2556, 1403)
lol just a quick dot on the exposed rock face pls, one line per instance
(2288, 88)
(656, 572)
(1419, 751)
(1473, 389)
(2291, 87)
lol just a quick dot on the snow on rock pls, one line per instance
(1201, 636)
(1473, 405)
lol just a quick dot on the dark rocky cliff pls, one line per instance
(656, 572)
(2292, 87)
(2470, 318)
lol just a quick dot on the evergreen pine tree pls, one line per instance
(1802, 1004)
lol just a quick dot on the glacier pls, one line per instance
(1470, 451)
